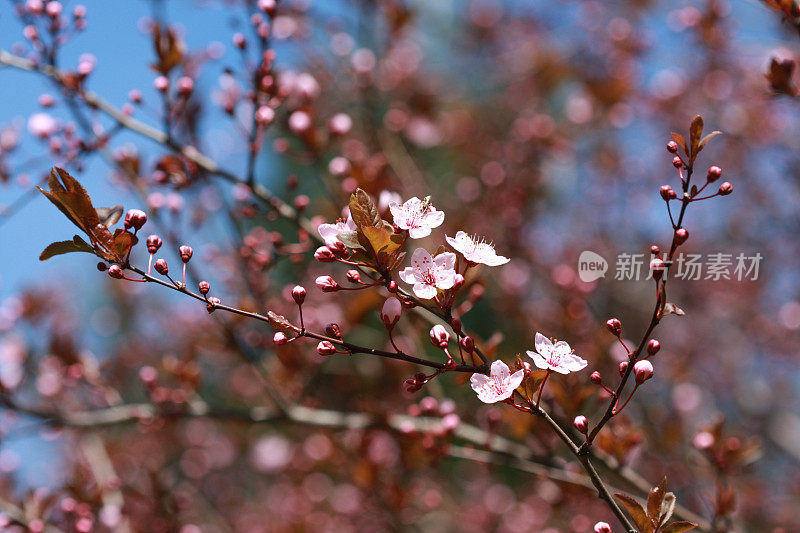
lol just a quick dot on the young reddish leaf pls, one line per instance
(655, 499)
(636, 512)
(364, 211)
(679, 527)
(678, 138)
(667, 508)
(695, 132)
(279, 322)
(109, 215)
(72, 199)
(780, 77)
(672, 309)
(65, 247)
(123, 242)
(169, 49)
(707, 138)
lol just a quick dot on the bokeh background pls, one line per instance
(542, 127)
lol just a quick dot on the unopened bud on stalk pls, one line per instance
(213, 302)
(299, 294)
(186, 253)
(280, 338)
(353, 276)
(204, 287)
(456, 325)
(153, 242)
(677, 162)
(596, 378)
(333, 330)
(681, 235)
(439, 336)
(135, 218)
(602, 527)
(672, 147)
(467, 344)
(623, 366)
(326, 348)
(161, 267)
(581, 424)
(327, 284)
(668, 193)
(390, 314)
(725, 189)
(323, 254)
(614, 326)
(653, 347)
(115, 272)
(643, 370)
(714, 174)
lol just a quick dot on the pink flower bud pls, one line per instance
(411, 386)
(467, 344)
(657, 268)
(390, 313)
(614, 326)
(279, 338)
(327, 284)
(299, 122)
(79, 11)
(655, 250)
(672, 147)
(35, 7)
(115, 271)
(668, 193)
(154, 242)
(602, 527)
(265, 115)
(161, 267)
(212, 303)
(30, 32)
(725, 189)
(596, 378)
(340, 124)
(338, 248)
(185, 85)
(456, 325)
(681, 235)
(392, 287)
(439, 336)
(186, 253)
(135, 218)
(239, 41)
(102, 267)
(46, 100)
(653, 347)
(204, 287)
(458, 283)
(326, 348)
(714, 174)
(267, 6)
(353, 276)
(333, 330)
(703, 440)
(323, 254)
(54, 9)
(581, 424)
(677, 162)
(643, 370)
(161, 84)
(299, 294)
(623, 366)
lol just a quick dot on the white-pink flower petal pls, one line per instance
(476, 250)
(499, 385)
(556, 357)
(416, 216)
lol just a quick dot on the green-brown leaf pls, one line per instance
(636, 512)
(65, 247)
(695, 133)
(679, 527)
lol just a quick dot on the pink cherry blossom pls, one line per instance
(417, 216)
(557, 357)
(330, 232)
(428, 274)
(42, 125)
(499, 386)
(476, 250)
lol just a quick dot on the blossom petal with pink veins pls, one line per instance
(538, 360)
(445, 279)
(424, 291)
(543, 345)
(561, 349)
(407, 275)
(445, 260)
(499, 385)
